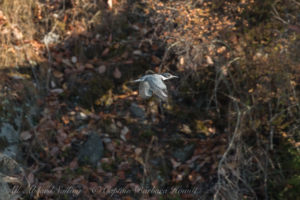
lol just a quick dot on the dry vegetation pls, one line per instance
(65, 67)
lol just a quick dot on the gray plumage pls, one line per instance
(154, 84)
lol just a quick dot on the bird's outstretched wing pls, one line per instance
(159, 88)
(144, 90)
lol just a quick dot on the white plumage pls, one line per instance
(154, 84)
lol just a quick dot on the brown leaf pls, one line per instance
(61, 136)
(101, 69)
(67, 62)
(125, 55)
(110, 147)
(80, 67)
(105, 51)
(93, 185)
(121, 174)
(57, 74)
(155, 47)
(221, 49)
(128, 62)
(112, 183)
(124, 165)
(295, 28)
(110, 39)
(89, 66)
(30, 178)
(156, 60)
(26, 135)
(186, 129)
(181, 61)
(117, 73)
(138, 151)
(65, 119)
(128, 198)
(209, 60)
(193, 159)
(54, 150)
(74, 164)
(17, 33)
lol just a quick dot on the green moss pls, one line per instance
(288, 188)
(79, 170)
(108, 167)
(291, 188)
(147, 134)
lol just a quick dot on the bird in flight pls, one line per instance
(153, 84)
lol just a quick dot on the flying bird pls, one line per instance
(153, 84)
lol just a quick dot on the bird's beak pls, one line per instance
(175, 76)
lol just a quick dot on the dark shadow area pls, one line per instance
(78, 123)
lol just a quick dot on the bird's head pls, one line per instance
(167, 76)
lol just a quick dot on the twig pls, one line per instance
(276, 14)
(296, 2)
(166, 55)
(147, 158)
(230, 146)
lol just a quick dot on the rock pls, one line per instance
(92, 150)
(5, 192)
(10, 172)
(183, 154)
(10, 167)
(9, 140)
(137, 111)
(81, 116)
(51, 38)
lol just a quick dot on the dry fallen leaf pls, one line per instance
(128, 62)
(110, 147)
(138, 151)
(57, 74)
(186, 129)
(67, 62)
(181, 61)
(30, 178)
(17, 33)
(105, 52)
(156, 60)
(74, 164)
(221, 49)
(65, 119)
(124, 132)
(26, 135)
(89, 66)
(57, 91)
(111, 184)
(117, 73)
(209, 60)
(224, 70)
(101, 69)
(121, 174)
